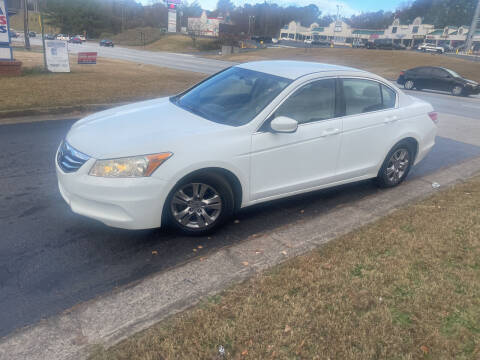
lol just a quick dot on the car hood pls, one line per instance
(142, 128)
(471, 82)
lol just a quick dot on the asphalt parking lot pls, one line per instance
(52, 259)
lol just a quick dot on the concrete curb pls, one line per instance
(10, 116)
(115, 316)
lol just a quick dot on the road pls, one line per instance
(185, 62)
(52, 259)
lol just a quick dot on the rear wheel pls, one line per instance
(409, 85)
(457, 90)
(396, 166)
(200, 204)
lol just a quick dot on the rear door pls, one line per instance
(423, 78)
(371, 113)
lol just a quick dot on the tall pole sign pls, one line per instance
(5, 49)
(172, 15)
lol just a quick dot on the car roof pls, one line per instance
(292, 69)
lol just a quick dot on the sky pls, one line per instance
(348, 7)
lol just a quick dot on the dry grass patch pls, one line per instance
(404, 287)
(182, 44)
(386, 63)
(110, 81)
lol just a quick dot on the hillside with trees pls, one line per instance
(266, 18)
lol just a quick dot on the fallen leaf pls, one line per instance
(154, 252)
(203, 259)
(327, 266)
(287, 329)
(424, 349)
(244, 352)
(284, 252)
(245, 263)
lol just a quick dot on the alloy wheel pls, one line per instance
(397, 165)
(457, 90)
(196, 206)
(408, 84)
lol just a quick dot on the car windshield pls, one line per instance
(233, 97)
(453, 73)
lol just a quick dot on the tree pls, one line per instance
(224, 7)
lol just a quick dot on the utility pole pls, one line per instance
(473, 28)
(43, 38)
(25, 25)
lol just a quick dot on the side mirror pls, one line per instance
(283, 124)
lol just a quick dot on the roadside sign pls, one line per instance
(172, 20)
(57, 56)
(5, 50)
(87, 58)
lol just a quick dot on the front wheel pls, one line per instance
(396, 166)
(457, 90)
(200, 204)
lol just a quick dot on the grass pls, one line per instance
(156, 40)
(386, 63)
(182, 43)
(133, 37)
(404, 287)
(110, 81)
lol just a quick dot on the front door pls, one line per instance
(285, 163)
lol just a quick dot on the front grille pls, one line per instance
(69, 159)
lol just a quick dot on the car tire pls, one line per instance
(396, 166)
(409, 85)
(457, 90)
(188, 212)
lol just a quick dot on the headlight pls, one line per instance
(136, 166)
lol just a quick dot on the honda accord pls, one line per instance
(252, 133)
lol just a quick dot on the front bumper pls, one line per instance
(127, 203)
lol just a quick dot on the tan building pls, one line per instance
(410, 35)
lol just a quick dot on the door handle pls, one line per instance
(330, 132)
(390, 119)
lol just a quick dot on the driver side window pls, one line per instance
(313, 102)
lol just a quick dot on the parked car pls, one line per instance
(81, 37)
(75, 40)
(431, 48)
(49, 37)
(63, 37)
(275, 41)
(106, 43)
(32, 34)
(13, 34)
(437, 78)
(357, 43)
(384, 44)
(308, 41)
(264, 39)
(284, 128)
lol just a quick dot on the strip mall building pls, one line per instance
(339, 32)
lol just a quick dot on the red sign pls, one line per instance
(87, 58)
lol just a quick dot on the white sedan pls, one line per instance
(252, 133)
